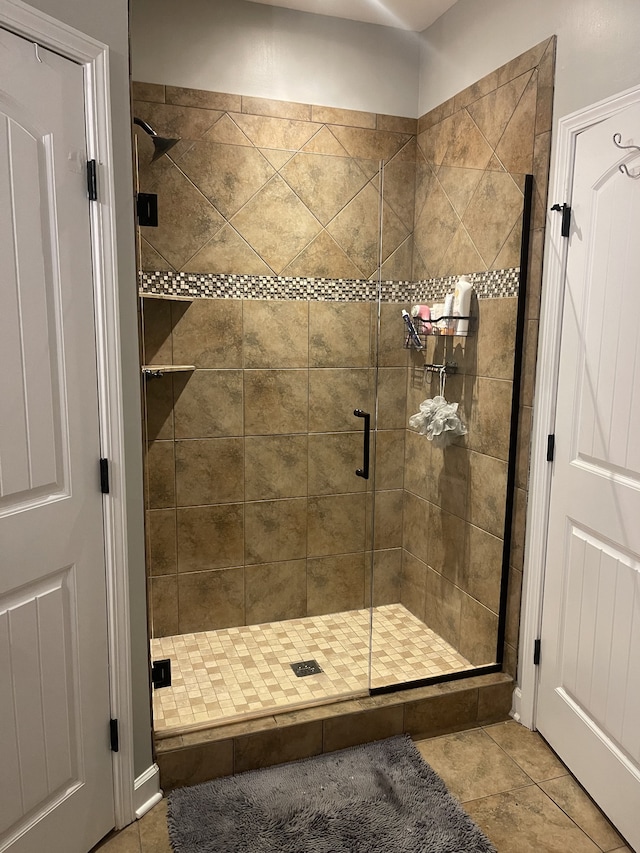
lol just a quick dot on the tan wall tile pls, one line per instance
(443, 607)
(275, 467)
(352, 118)
(276, 224)
(275, 333)
(518, 531)
(336, 524)
(413, 585)
(416, 526)
(389, 459)
(490, 421)
(208, 332)
(208, 404)
(161, 484)
(335, 584)
(513, 607)
(494, 702)
(196, 764)
(387, 520)
(275, 591)
(333, 460)
(163, 606)
(495, 340)
(263, 749)
(202, 98)
(147, 92)
(478, 632)
(187, 219)
(275, 401)
(366, 726)
(275, 531)
(482, 574)
(339, 334)
(159, 421)
(161, 541)
(210, 537)
(487, 490)
(156, 331)
(439, 714)
(446, 544)
(280, 109)
(398, 124)
(209, 471)
(334, 393)
(387, 578)
(211, 600)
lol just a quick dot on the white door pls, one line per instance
(56, 792)
(589, 690)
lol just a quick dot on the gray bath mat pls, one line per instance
(377, 798)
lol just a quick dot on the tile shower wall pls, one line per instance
(255, 513)
(268, 187)
(472, 154)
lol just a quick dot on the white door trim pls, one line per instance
(35, 25)
(525, 695)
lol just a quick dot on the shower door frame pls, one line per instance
(496, 667)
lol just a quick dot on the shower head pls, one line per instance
(161, 144)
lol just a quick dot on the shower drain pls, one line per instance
(306, 667)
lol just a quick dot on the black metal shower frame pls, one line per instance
(511, 471)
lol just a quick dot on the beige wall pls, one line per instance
(597, 46)
(270, 52)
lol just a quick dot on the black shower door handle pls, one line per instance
(364, 471)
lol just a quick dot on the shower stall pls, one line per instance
(304, 545)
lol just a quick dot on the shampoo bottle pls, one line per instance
(462, 304)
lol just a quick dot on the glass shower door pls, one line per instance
(258, 526)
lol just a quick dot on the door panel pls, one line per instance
(589, 694)
(56, 781)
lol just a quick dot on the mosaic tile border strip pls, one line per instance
(494, 284)
(488, 285)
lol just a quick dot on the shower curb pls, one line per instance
(438, 709)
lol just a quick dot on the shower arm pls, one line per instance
(146, 127)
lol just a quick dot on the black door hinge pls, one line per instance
(565, 209)
(147, 209)
(114, 735)
(536, 652)
(92, 180)
(161, 673)
(551, 448)
(104, 476)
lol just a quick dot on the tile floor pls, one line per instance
(240, 673)
(508, 780)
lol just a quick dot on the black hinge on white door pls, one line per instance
(565, 209)
(92, 180)
(536, 652)
(104, 476)
(114, 735)
(551, 448)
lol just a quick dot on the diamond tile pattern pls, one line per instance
(271, 183)
(237, 673)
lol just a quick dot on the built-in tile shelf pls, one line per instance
(156, 370)
(166, 296)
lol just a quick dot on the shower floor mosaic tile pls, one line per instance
(238, 673)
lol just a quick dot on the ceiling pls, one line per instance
(414, 15)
